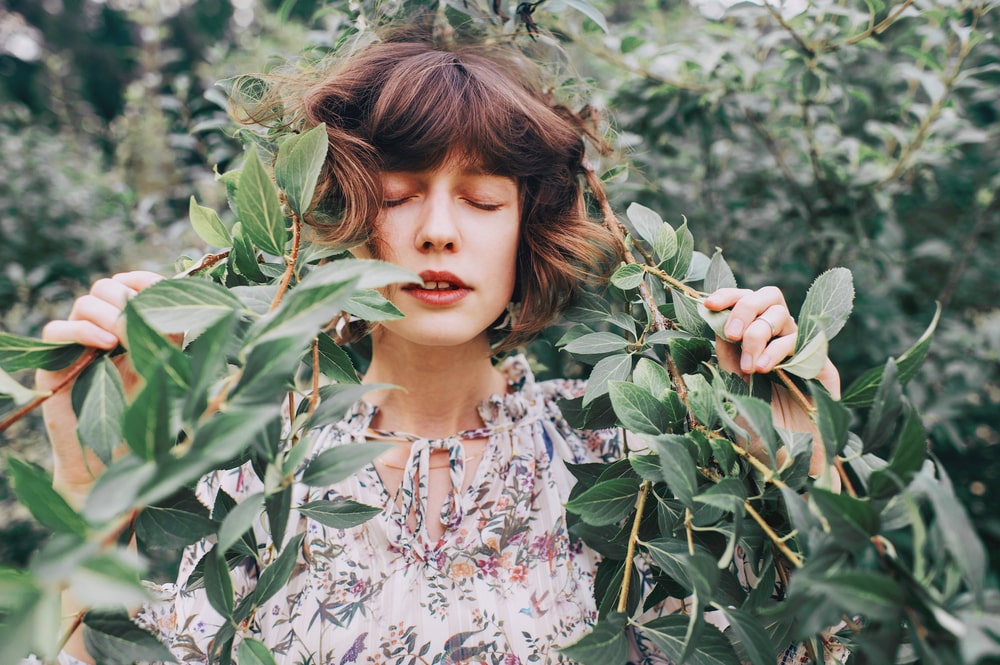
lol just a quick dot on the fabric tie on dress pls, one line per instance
(414, 488)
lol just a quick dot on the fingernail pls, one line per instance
(746, 362)
(763, 363)
(107, 339)
(734, 328)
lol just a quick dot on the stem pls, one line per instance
(808, 50)
(689, 530)
(764, 470)
(633, 538)
(778, 541)
(314, 395)
(844, 478)
(70, 629)
(674, 282)
(882, 25)
(797, 395)
(205, 262)
(74, 370)
(290, 262)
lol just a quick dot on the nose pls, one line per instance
(438, 228)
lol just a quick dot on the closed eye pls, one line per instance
(392, 203)
(489, 207)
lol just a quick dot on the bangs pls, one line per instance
(438, 106)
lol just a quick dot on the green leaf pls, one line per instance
(277, 505)
(604, 645)
(180, 521)
(749, 636)
(645, 223)
(589, 11)
(877, 597)
(886, 410)
(678, 265)
(152, 354)
(274, 576)
(688, 315)
(336, 399)
(669, 633)
(665, 246)
(715, 320)
(809, 360)
(99, 421)
(184, 305)
(239, 520)
(208, 359)
(827, 305)
(862, 392)
(339, 513)
(243, 257)
(336, 464)
(758, 416)
(13, 389)
(303, 313)
(832, 420)
(613, 368)
(112, 638)
(269, 371)
(109, 579)
(34, 490)
(146, 423)
(719, 274)
(258, 207)
(334, 361)
(298, 166)
(851, 521)
(254, 652)
(907, 458)
(652, 377)
(208, 226)
(689, 353)
(597, 343)
(628, 276)
(369, 273)
(607, 502)
(677, 466)
(17, 353)
(218, 583)
(370, 305)
(638, 410)
(729, 494)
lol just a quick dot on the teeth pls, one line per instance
(439, 286)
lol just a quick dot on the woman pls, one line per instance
(454, 165)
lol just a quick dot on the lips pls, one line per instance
(440, 288)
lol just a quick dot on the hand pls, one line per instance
(761, 334)
(94, 321)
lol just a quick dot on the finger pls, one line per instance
(772, 323)
(101, 313)
(138, 280)
(113, 292)
(79, 332)
(728, 355)
(724, 298)
(750, 306)
(774, 354)
(830, 378)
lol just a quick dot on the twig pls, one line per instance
(882, 25)
(766, 471)
(314, 395)
(688, 516)
(778, 541)
(633, 538)
(80, 364)
(290, 262)
(674, 282)
(204, 262)
(70, 629)
(844, 478)
(796, 394)
(808, 50)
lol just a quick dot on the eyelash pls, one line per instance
(487, 207)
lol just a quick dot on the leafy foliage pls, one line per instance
(893, 559)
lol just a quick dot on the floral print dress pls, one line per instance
(503, 585)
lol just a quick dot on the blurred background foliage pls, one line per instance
(795, 136)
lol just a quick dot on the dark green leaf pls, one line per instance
(277, 507)
(677, 466)
(758, 416)
(175, 523)
(652, 377)
(112, 638)
(728, 494)
(338, 514)
(749, 637)
(17, 353)
(150, 353)
(637, 410)
(239, 520)
(274, 576)
(334, 361)
(336, 464)
(887, 407)
(607, 502)
(604, 645)
(690, 353)
(862, 392)
(832, 420)
(243, 258)
(146, 425)
(852, 521)
(669, 633)
(258, 207)
(873, 595)
(218, 584)
(647, 466)
(34, 490)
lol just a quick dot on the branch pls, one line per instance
(877, 29)
(74, 370)
(203, 263)
(778, 541)
(633, 538)
(808, 50)
(290, 262)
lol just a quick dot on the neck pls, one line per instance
(441, 387)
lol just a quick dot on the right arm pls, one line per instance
(95, 321)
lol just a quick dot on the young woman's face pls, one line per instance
(458, 229)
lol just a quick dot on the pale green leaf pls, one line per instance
(184, 305)
(239, 520)
(336, 464)
(34, 490)
(18, 353)
(605, 644)
(218, 583)
(338, 514)
(18, 393)
(827, 305)
(254, 652)
(597, 343)
(589, 11)
(669, 633)
(628, 276)
(612, 368)
(99, 422)
(645, 223)
(719, 275)
(274, 576)
(298, 165)
(638, 410)
(208, 226)
(810, 359)
(370, 305)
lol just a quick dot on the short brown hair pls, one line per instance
(406, 103)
